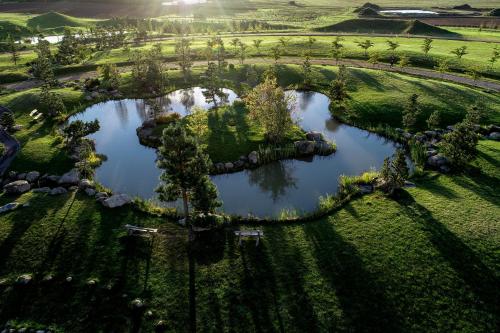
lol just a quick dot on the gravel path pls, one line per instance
(421, 72)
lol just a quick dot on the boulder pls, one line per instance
(70, 178)
(323, 148)
(431, 134)
(239, 164)
(407, 135)
(305, 147)
(17, 187)
(8, 207)
(24, 279)
(229, 166)
(365, 189)
(437, 161)
(21, 176)
(494, 136)
(53, 178)
(409, 184)
(219, 167)
(90, 192)
(116, 200)
(42, 190)
(85, 183)
(493, 128)
(17, 127)
(32, 176)
(253, 158)
(101, 195)
(314, 136)
(444, 169)
(58, 191)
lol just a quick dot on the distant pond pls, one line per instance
(265, 191)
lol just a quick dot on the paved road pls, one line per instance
(12, 146)
(421, 72)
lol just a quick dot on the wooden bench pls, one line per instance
(257, 234)
(132, 230)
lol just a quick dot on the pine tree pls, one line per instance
(7, 120)
(307, 70)
(68, 49)
(50, 103)
(427, 46)
(185, 172)
(410, 112)
(459, 146)
(42, 66)
(434, 120)
(337, 47)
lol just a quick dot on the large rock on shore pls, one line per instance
(32, 176)
(17, 187)
(70, 178)
(116, 200)
(305, 147)
(314, 136)
(253, 158)
(437, 161)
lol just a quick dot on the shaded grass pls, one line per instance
(421, 262)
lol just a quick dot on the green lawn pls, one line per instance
(426, 261)
(478, 53)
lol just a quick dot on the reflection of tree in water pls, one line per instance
(187, 99)
(332, 125)
(140, 106)
(305, 98)
(122, 111)
(274, 178)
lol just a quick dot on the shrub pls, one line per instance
(167, 118)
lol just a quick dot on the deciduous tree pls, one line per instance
(271, 108)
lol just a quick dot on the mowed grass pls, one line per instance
(478, 55)
(42, 149)
(427, 260)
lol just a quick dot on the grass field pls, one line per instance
(426, 261)
(478, 53)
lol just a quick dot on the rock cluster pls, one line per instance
(315, 143)
(244, 162)
(431, 139)
(19, 183)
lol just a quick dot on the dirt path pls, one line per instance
(420, 72)
(12, 146)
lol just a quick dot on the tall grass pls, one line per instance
(272, 153)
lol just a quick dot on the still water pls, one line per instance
(265, 191)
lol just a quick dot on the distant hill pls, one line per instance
(54, 20)
(368, 5)
(385, 26)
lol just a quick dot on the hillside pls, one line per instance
(385, 26)
(55, 20)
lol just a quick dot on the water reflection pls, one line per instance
(265, 191)
(275, 179)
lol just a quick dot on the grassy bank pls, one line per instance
(426, 261)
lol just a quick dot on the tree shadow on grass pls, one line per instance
(429, 182)
(466, 263)
(22, 221)
(483, 185)
(365, 307)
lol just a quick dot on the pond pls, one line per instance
(265, 191)
(409, 12)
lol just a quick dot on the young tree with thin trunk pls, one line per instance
(427, 46)
(374, 58)
(460, 52)
(235, 42)
(276, 52)
(495, 55)
(257, 43)
(242, 52)
(337, 48)
(310, 43)
(185, 172)
(365, 45)
(14, 55)
(272, 108)
(392, 46)
(184, 56)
